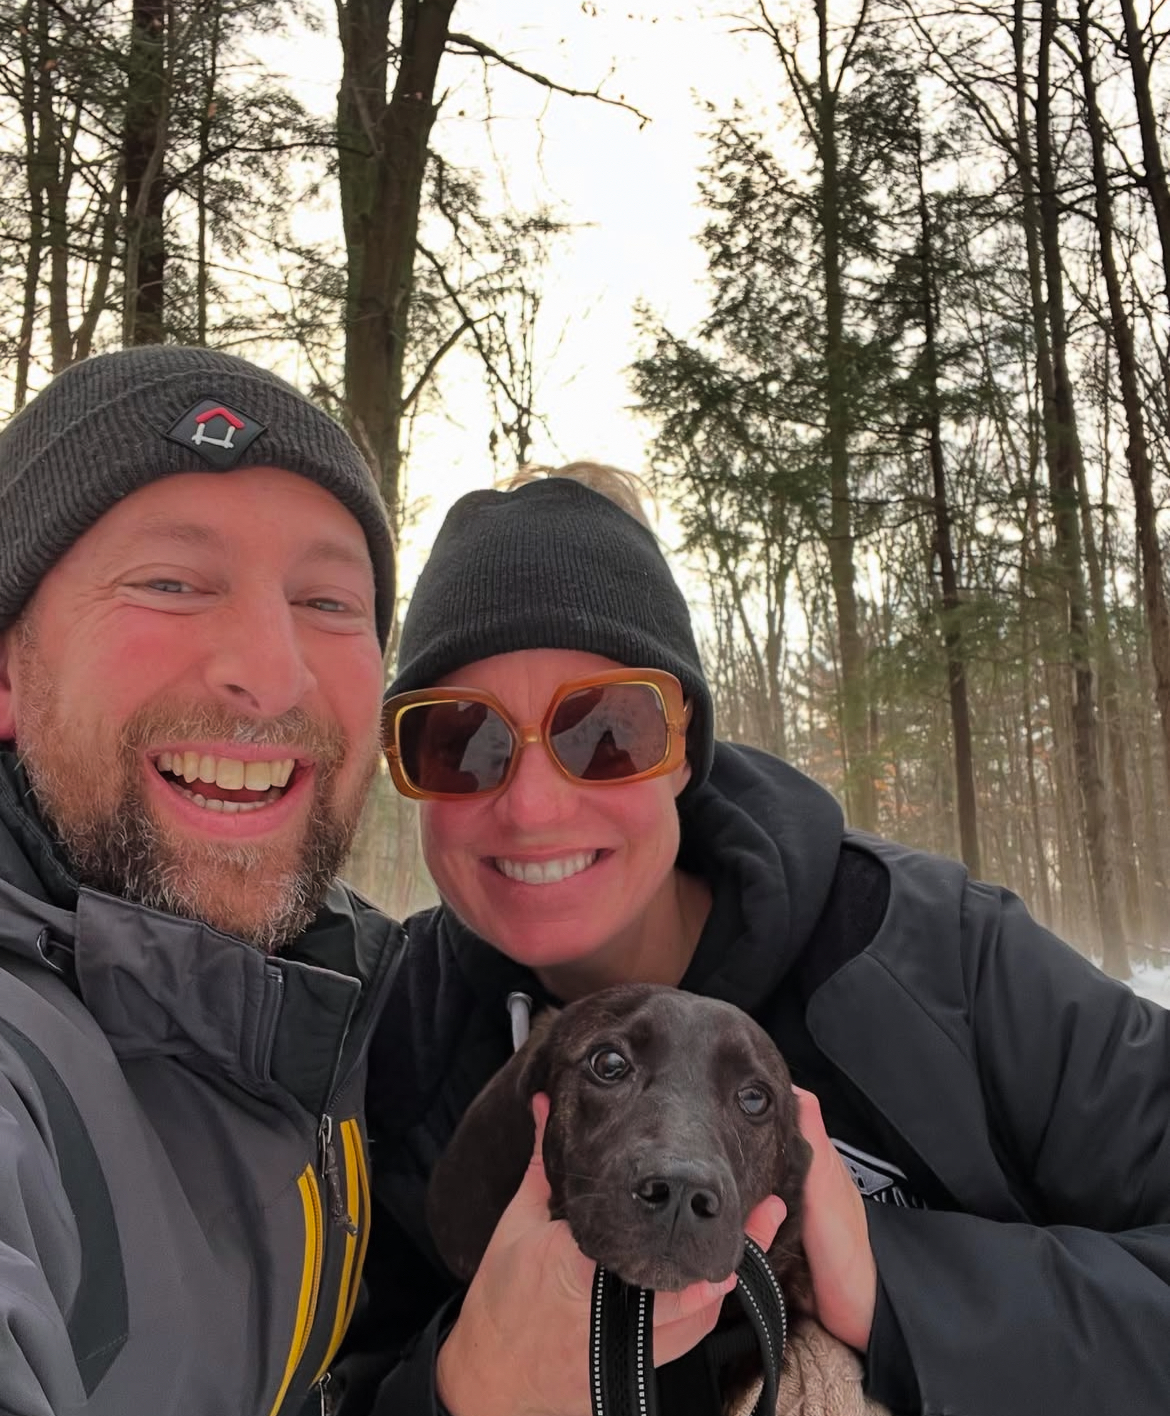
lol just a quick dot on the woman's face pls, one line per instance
(551, 871)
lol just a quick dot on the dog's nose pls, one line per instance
(684, 1190)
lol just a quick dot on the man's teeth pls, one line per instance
(227, 772)
(545, 872)
(231, 808)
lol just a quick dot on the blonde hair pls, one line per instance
(624, 489)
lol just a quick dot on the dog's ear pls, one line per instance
(482, 1167)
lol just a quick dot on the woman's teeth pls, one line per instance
(545, 872)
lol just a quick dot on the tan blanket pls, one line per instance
(821, 1377)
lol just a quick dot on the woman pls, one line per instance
(989, 1226)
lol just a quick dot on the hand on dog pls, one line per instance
(521, 1342)
(836, 1236)
(520, 1346)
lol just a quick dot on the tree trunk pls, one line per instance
(33, 79)
(48, 155)
(386, 863)
(1062, 790)
(1044, 892)
(99, 288)
(1155, 816)
(1155, 177)
(1110, 718)
(144, 147)
(1063, 440)
(1137, 455)
(382, 157)
(381, 162)
(944, 552)
(57, 236)
(860, 793)
(1029, 655)
(206, 117)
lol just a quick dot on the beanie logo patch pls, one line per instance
(216, 433)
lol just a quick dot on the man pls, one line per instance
(196, 584)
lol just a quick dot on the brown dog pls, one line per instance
(671, 1117)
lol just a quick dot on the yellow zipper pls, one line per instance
(310, 1279)
(357, 1206)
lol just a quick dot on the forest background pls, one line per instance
(905, 405)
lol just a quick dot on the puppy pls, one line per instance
(671, 1117)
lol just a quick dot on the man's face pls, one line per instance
(195, 692)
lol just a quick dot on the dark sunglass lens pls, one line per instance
(456, 747)
(608, 732)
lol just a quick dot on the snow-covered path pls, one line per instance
(1152, 983)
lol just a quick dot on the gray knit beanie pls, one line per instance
(552, 565)
(111, 424)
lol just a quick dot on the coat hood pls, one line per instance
(770, 840)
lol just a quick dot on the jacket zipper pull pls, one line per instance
(327, 1169)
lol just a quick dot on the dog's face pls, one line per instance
(671, 1117)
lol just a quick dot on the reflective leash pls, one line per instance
(621, 1338)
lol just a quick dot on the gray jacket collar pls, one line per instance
(161, 986)
(158, 985)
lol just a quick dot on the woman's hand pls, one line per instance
(520, 1346)
(836, 1236)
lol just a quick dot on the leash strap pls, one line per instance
(764, 1304)
(621, 1338)
(621, 1348)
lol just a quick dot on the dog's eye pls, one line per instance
(608, 1065)
(753, 1101)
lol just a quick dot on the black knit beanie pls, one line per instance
(111, 424)
(551, 565)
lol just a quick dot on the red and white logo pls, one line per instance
(217, 434)
(233, 425)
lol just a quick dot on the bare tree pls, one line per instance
(952, 624)
(1063, 440)
(1153, 570)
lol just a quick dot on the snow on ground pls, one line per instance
(1152, 982)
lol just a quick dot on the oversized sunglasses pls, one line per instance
(620, 726)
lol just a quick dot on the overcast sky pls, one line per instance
(628, 189)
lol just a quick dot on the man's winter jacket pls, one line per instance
(184, 1202)
(1009, 1102)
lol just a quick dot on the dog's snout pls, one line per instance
(686, 1191)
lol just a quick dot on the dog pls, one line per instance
(671, 1117)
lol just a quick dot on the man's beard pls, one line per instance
(97, 808)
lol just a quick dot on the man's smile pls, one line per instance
(224, 784)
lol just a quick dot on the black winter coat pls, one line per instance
(1025, 1095)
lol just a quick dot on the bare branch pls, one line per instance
(490, 55)
(436, 358)
(469, 323)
